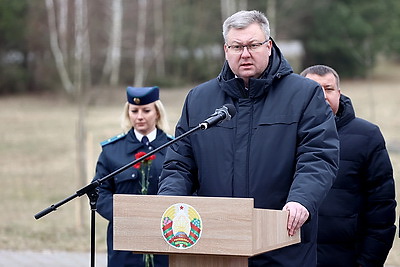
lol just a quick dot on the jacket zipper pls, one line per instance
(248, 149)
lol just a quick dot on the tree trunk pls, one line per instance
(54, 44)
(228, 7)
(63, 27)
(242, 4)
(140, 43)
(159, 42)
(82, 56)
(271, 14)
(113, 60)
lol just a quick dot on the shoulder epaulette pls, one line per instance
(112, 139)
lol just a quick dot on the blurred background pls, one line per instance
(64, 67)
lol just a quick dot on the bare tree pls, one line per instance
(55, 48)
(228, 7)
(113, 60)
(82, 49)
(140, 43)
(82, 75)
(271, 13)
(63, 26)
(159, 39)
(242, 4)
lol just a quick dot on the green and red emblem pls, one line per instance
(181, 226)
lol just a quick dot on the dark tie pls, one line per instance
(145, 141)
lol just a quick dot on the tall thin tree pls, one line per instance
(62, 23)
(159, 38)
(140, 43)
(56, 50)
(228, 7)
(81, 67)
(113, 59)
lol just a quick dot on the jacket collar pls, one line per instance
(345, 113)
(133, 144)
(278, 67)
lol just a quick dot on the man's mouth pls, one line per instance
(246, 64)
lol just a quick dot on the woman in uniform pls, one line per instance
(144, 124)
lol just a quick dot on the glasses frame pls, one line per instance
(248, 46)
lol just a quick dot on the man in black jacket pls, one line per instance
(281, 147)
(356, 220)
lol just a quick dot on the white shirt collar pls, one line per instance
(245, 86)
(152, 135)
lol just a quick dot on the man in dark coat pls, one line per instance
(356, 220)
(281, 147)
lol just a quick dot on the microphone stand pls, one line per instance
(91, 190)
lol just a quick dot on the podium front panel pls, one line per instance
(226, 224)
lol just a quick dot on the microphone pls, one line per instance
(224, 113)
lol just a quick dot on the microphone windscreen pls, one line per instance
(231, 109)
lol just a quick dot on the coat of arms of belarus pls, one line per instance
(181, 226)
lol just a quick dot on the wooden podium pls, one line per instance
(215, 231)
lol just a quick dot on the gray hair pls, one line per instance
(242, 19)
(321, 70)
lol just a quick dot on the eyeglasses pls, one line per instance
(238, 49)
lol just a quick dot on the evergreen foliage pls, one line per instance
(349, 35)
(346, 34)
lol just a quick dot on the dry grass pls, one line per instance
(38, 160)
(38, 167)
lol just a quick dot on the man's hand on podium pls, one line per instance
(298, 214)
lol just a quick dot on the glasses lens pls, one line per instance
(237, 48)
(253, 47)
(250, 47)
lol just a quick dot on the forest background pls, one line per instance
(64, 66)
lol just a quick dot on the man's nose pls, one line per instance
(245, 52)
